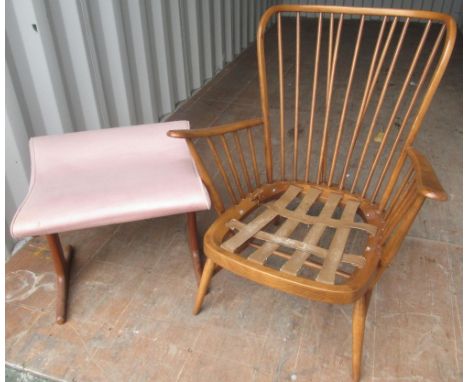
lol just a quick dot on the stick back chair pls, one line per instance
(322, 213)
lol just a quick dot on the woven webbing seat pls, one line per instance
(328, 239)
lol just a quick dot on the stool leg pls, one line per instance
(62, 270)
(359, 322)
(194, 245)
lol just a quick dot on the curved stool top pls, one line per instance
(109, 176)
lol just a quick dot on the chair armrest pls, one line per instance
(426, 179)
(215, 130)
(232, 151)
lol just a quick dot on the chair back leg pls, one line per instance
(359, 321)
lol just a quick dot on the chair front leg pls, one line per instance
(194, 245)
(208, 272)
(62, 262)
(361, 307)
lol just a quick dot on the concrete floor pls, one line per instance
(20, 375)
(133, 288)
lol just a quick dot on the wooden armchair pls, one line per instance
(342, 183)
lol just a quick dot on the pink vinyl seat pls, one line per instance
(109, 176)
(94, 178)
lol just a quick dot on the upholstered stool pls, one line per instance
(109, 176)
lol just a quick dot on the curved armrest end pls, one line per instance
(427, 181)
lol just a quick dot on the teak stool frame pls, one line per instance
(387, 200)
(62, 259)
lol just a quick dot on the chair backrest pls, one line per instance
(366, 76)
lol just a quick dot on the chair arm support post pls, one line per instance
(395, 238)
(206, 178)
(427, 182)
(425, 185)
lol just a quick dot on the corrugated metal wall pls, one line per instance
(76, 65)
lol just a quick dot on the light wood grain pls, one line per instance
(259, 222)
(337, 246)
(261, 254)
(301, 246)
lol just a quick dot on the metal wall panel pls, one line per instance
(74, 65)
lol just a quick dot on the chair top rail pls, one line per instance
(392, 12)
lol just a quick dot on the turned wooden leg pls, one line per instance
(359, 322)
(204, 284)
(194, 245)
(62, 270)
